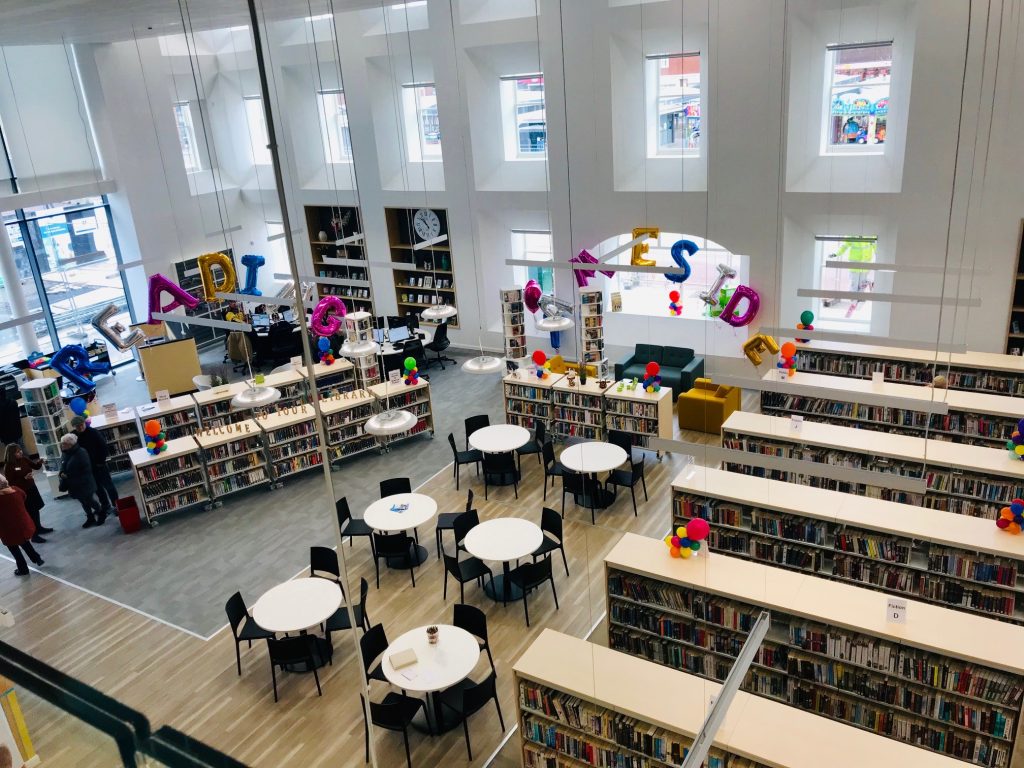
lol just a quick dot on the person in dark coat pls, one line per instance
(76, 478)
(10, 419)
(16, 527)
(96, 446)
(18, 471)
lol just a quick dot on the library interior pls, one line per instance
(287, 286)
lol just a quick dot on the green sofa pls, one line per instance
(679, 366)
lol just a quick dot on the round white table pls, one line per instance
(590, 458)
(499, 438)
(298, 605)
(437, 667)
(381, 517)
(504, 539)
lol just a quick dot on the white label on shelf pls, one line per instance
(110, 411)
(878, 377)
(163, 395)
(796, 422)
(394, 376)
(896, 610)
(297, 361)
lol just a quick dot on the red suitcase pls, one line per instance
(128, 514)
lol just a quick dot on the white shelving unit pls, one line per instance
(359, 328)
(172, 480)
(344, 415)
(122, 434)
(640, 413)
(291, 441)
(577, 411)
(339, 376)
(48, 419)
(414, 398)
(214, 405)
(292, 385)
(235, 458)
(528, 398)
(513, 320)
(177, 415)
(592, 316)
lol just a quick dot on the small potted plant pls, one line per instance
(432, 635)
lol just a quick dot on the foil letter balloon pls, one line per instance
(756, 345)
(112, 331)
(753, 304)
(531, 295)
(159, 284)
(678, 248)
(323, 323)
(252, 263)
(72, 362)
(583, 275)
(211, 287)
(710, 296)
(640, 249)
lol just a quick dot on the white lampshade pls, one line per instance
(482, 364)
(364, 348)
(554, 324)
(390, 423)
(255, 397)
(439, 312)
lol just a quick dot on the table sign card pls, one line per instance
(796, 422)
(163, 395)
(394, 376)
(896, 610)
(297, 361)
(877, 378)
(110, 411)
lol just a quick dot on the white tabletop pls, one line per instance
(593, 457)
(380, 517)
(504, 539)
(437, 666)
(499, 438)
(297, 604)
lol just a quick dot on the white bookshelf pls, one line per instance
(234, 456)
(358, 327)
(171, 480)
(177, 415)
(121, 431)
(291, 441)
(344, 415)
(48, 419)
(528, 398)
(578, 410)
(513, 320)
(414, 398)
(592, 318)
(339, 376)
(291, 383)
(640, 413)
(213, 405)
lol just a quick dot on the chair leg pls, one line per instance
(445, 593)
(366, 733)
(405, 738)
(545, 486)
(273, 678)
(489, 657)
(376, 570)
(238, 657)
(644, 481)
(526, 610)
(632, 492)
(462, 591)
(465, 729)
(437, 541)
(515, 486)
(553, 592)
(501, 720)
(564, 561)
(456, 475)
(412, 570)
(316, 676)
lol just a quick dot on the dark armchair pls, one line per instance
(679, 366)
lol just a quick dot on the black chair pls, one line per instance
(552, 468)
(500, 464)
(473, 620)
(551, 527)
(394, 713)
(465, 700)
(469, 569)
(393, 546)
(535, 445)
(473, 423)
(395, 485)
(350, 526)
(530, 576)
(323, 563)
(282, 342)
(580, 485)
(463, 524)
(446, 522)
(243, 626)
(472, 456)
(289, 651)
(439, 344)
(625, 442)
(414, 348)
(371, 646)
(629, 477)
(339, 621)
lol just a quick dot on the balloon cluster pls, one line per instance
(675, 306)
(1015, 445)
(685, 542)
(412, 373)
(652, 377)
(806, 323)
(543, 364)
(1011, 518)
(323, 344)
(156, 439)
(80, 408)
(787, 358)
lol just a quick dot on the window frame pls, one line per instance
(345, 147)
(833, 150)
(412, 121)
(652, 98)
(509, 88)
(521, 274)
(820, 258)
(197, 159)
(260, 155)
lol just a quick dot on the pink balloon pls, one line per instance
(531, 295)
(753, 304)
(161, 284)
(697, 529)
(584, 275)
(323, 323)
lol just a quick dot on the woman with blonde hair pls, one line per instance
(18, 471)
(16, 527)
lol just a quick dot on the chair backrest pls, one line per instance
(572, 482)
(414, 349)
(473, 423)
(289, 650)
(344, 514)
(621, 439)
(451, 565)
(548, 452)
(393, 715)
(372, 645)
(364, 590)
(551, 522)
(324, 560)
(451, 442)
(499, 462)
(464, 523)
(475, 696)
(236, 611)
(440, 336)
(637, 468)
(469, 500)
(471, 619)
(394, 485)
(540, 432)
(390, 544)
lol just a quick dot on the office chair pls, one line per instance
(414, 349)
(439, 345)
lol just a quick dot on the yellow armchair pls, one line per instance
(706, 407)
(561, 365)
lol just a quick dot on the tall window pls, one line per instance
(187, 136)
(334, 126)
(525, 125)
(257, 122)
(857, 99)
(422, 126)
(838, 259)
(673, 105)
(533, 246)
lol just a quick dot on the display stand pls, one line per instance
(291, 383)
(514, 323)
(121, 431)
(945, 681)
(344, 415)
(639, 413)
(413, 398)
(358, 330)
(172, 479)
(577, 411)
(235, 458)
(592, 315)
(528, 398)
(339, 376)
(291, 441)
(214, 405)
(177, 415)
(48, 419)
(170, 365)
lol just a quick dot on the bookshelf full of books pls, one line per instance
(344, 415)
(214, 405)
(952, 560)
(48, 419)
(592, 317)
(291, 440)
(513, 319)
(527, 398)
(964, 479)
(580, 704)
(339, 376)
(640, 413)
(177, 415)
(577, 409)
(171, 480)
(291, 383)
(943, 681)
(338, 250)
(359, 337)
(414, 398)
(234, 457)
(121, 431)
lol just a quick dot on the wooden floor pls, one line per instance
(190, 684)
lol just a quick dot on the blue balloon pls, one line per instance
(677, 256)
(323, 344)
(78, 406)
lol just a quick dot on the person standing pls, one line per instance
(10, 419)
(18, 470)
(16, 527)
(96, 446)
(76, 478)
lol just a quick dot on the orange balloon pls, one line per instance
(1013, 527)
(788, 349)
(152, 427)
(1006, 512)
(674, 551)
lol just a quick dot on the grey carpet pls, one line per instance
(183, 570)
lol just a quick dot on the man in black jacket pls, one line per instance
(10, 419)
(96, 447)
(76, 478)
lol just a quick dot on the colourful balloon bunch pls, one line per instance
(1015, 445)
(787, 358)
(412, 373)
(806, 323)
(543, 364)
(685, 542)
(156, 438)
(80, 408)
(675, 306)
(323, 344)
(652, 377)
(1011, 518)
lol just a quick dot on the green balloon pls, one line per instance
(694, 545)
(807, 317)
(410, 363)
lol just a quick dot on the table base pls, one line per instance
(442, 719)
(603, 500)
(324, 652)
(496, 589)
(420, 554)
(501, 478)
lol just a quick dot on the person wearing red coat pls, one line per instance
(16, 527)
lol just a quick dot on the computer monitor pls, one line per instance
(400, 333)
(288, 315)
(397, 321)
(378, 335)
(261, 321)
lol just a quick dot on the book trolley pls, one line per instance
(943, 681)
(234, 457)
(359, 330)
(592, 316)
(171, 480)
(344, 414)
(176, 415)
(291, 440)
(528, 398)
(513, 321)
(121, 431)
(48, 419)
(414, 398)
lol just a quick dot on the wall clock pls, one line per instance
(426, 224)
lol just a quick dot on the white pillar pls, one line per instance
(15, 294)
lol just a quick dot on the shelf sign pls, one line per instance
(163, 395)
(110, 412)
(896, 610)
(394, 376)
(795, 422)
(878, 377)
